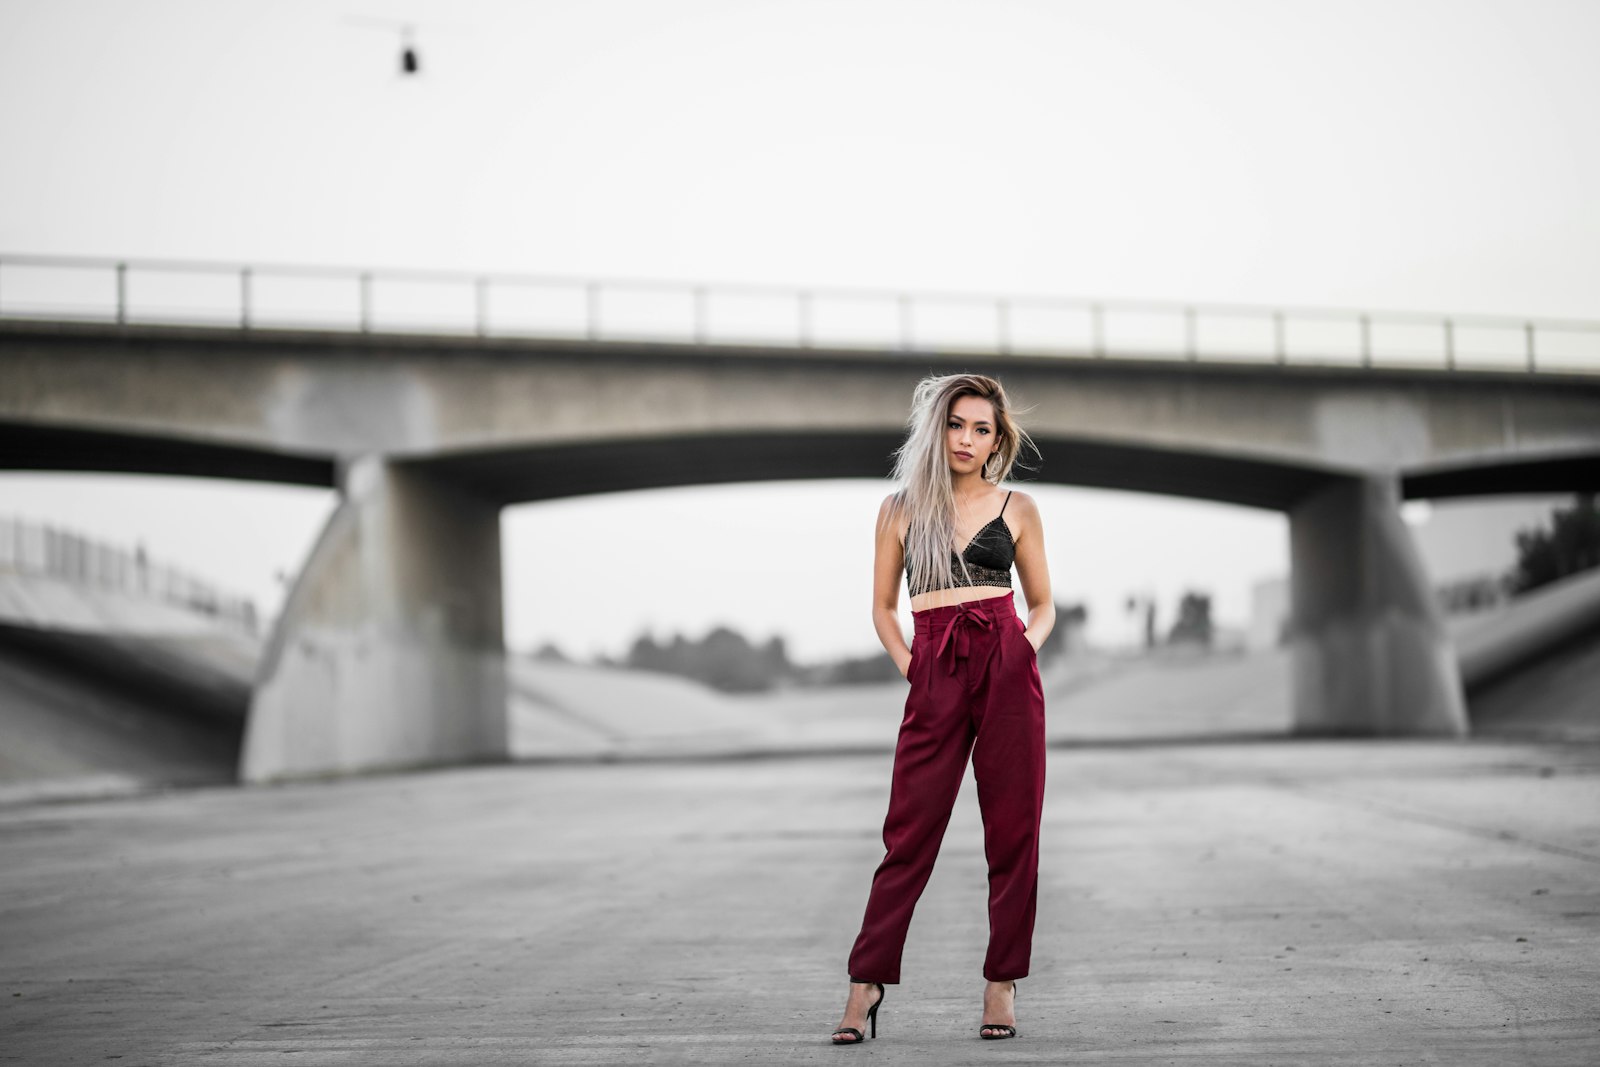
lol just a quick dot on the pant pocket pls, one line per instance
(1027, 646)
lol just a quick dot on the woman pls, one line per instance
(974, 684)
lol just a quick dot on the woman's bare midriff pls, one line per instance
(942, 598)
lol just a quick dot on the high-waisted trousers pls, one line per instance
(975, 692)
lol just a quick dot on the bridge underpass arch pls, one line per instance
(52, 446)
(399, 604)
(1567, 470)
(398, 514)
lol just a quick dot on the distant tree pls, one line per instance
(645, 655)
(775, 658)
(724, 659)
(856, 670)
(728, 662)
(550, 652)
(1571, 544)
(1193, 625)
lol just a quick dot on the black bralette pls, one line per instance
(989, 556)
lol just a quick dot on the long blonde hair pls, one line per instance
(925, 495)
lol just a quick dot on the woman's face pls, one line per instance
(969, 435)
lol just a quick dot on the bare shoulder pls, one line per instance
(1024, 511)
(889, 514)
(1023, 504)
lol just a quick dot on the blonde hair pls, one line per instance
(925, 495)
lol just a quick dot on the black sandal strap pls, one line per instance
(857, 1034)
(1010, 1031)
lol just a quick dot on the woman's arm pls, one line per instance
(888, 561)
(1033, 570)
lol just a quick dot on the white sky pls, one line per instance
(1431, 156)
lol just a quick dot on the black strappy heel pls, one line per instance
(872, 1017)
(1010, 1031)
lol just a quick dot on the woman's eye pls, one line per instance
(984, 432)
(955, 426)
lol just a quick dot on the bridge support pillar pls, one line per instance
(389, 653)
(1371, 655)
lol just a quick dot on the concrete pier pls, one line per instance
(1372, 656)
(389, 653)
(1297, 902)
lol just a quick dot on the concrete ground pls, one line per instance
(1232, 903)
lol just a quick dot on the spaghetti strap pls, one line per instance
(1003, 506)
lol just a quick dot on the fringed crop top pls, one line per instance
(989, 556)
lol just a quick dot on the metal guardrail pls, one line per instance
(45, 551)
(255, 297)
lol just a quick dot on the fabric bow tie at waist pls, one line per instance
(959, 628)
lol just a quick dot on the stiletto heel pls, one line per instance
(1002, 1030)
(856, 1037)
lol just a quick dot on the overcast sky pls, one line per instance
(1429, 156)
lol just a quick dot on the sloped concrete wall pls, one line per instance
(390, 652)
(1530, 626)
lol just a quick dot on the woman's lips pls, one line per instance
(964, 455)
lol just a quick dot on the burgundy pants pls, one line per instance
(974, 691)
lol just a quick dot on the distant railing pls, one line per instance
(45, 551)
(260, 297)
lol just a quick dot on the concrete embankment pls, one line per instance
(102, 692)
(68, 733)
(1528, 629)
(1532, 669)
(568, 711)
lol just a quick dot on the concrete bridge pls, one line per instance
(389, 651)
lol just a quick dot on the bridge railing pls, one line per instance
(41, 550)
(261, 297)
